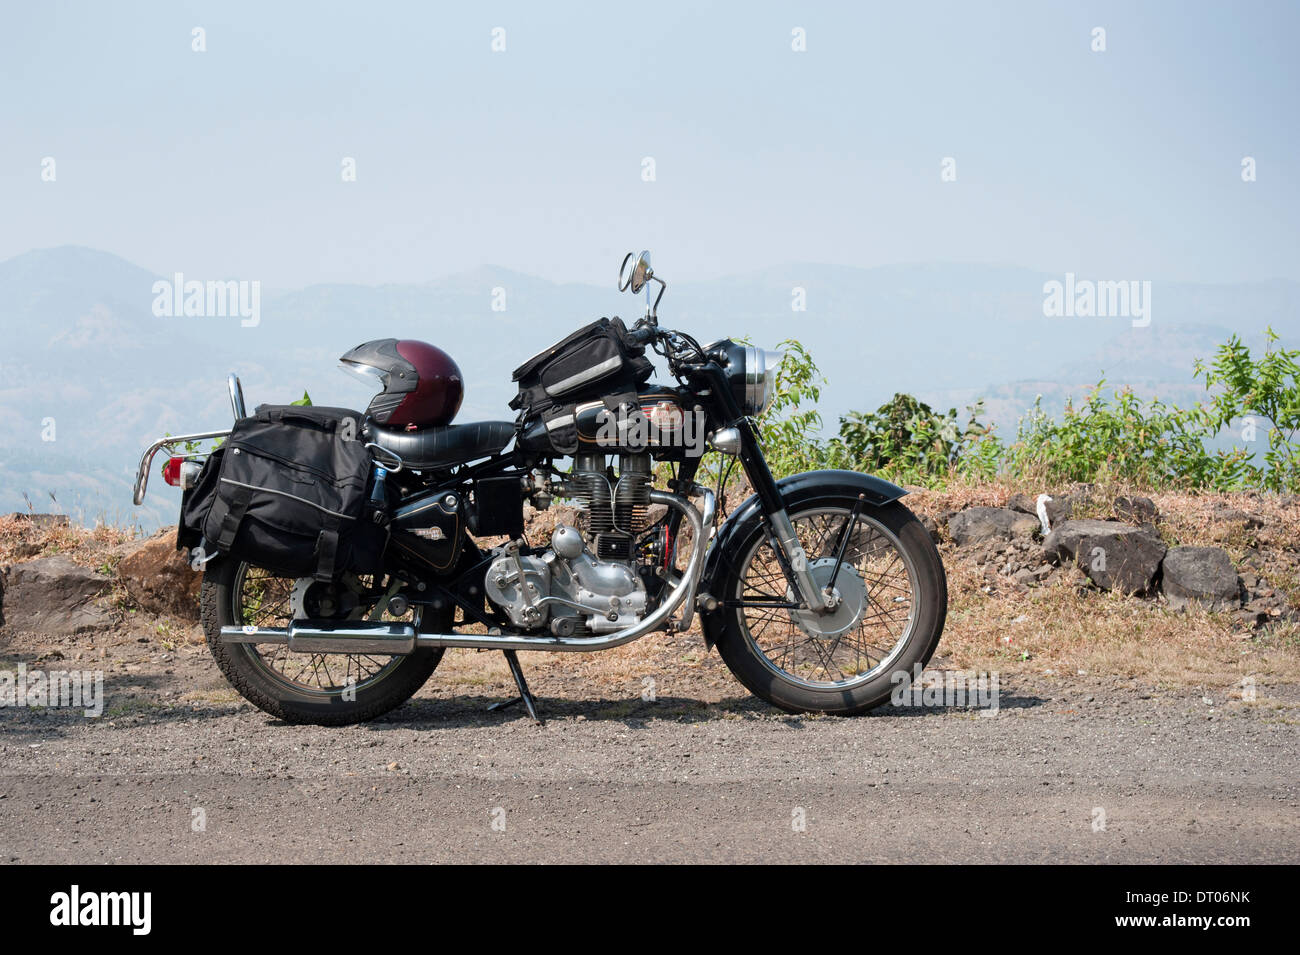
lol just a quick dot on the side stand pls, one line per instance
(525, 695)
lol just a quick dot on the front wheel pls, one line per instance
(892, 598)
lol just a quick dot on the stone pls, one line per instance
(159, 578)
(1024, 503)
(1232, 515)
(988, 523)
(931, 527)
(1141, 510)
(41, 520)
(1200, 575)
(1059, 508)
(53, 596)
(1114, 556)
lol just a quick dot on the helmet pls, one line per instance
(421, 386)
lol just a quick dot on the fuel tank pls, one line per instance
(665, 421)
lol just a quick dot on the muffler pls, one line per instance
(347, 636)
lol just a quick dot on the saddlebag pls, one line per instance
(591, 364)
(290, 491)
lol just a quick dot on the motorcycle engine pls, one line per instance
(588, 579)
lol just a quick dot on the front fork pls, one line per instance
(780, 530)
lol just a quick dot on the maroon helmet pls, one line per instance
(421, 386)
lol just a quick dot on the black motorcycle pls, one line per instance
(343, 552)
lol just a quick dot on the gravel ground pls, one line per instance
(693, 777)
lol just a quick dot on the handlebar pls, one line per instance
(684, 354)
(643, 334)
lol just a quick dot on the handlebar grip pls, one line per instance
(642, 336)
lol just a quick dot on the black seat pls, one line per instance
(444, 446)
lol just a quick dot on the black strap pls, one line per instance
(626, 400)
(564, 437)
(327, 550)
(235, 504)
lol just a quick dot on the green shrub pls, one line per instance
(908, 440)
(789, 427)
(1119, 437)
(1267, 388)
(1146, 443)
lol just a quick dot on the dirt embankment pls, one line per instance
(1134, 590)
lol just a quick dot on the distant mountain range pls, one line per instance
(84, 359)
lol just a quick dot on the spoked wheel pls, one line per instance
(890, 602)
(330, 689)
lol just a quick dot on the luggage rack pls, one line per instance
(146, 460)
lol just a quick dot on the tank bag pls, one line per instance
(593, 362)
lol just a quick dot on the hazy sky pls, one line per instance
(227, 163)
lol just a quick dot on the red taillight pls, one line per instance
(182, 473)
(172, 471)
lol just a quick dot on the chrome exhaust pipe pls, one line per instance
(356, 637)
(348, 636)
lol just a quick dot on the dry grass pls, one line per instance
(1068, 626)
(1064, 627)
(22, 538)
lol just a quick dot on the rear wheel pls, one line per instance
(892, 600)
(329, 689)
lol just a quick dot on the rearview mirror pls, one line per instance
(633, 274)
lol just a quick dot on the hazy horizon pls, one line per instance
(1118, 163)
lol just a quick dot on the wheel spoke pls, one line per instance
(263, 600)
(886, 585)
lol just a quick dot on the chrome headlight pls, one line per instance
(760, 378)
(751, 373)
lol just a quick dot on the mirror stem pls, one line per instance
(652, 311)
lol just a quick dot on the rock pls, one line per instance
(1231, 515)
(1141, 510)
(1114, 556)
(1200, 575)
(1059, 508)
(53, 595)
(986, 523)
(931, 527)
(1024, 503)
(41, 520)
(158, 577)
(1273, 537)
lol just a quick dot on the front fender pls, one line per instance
(797, 489)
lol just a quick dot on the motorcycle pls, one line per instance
(817, 590)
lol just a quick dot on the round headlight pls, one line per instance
(751, 373)
(760, 378)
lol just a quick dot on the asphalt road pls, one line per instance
(1069, 775)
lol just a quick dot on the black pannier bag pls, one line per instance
(289, 490)
(592, 363)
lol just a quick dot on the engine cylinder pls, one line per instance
(589, 486)
(617, 512)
